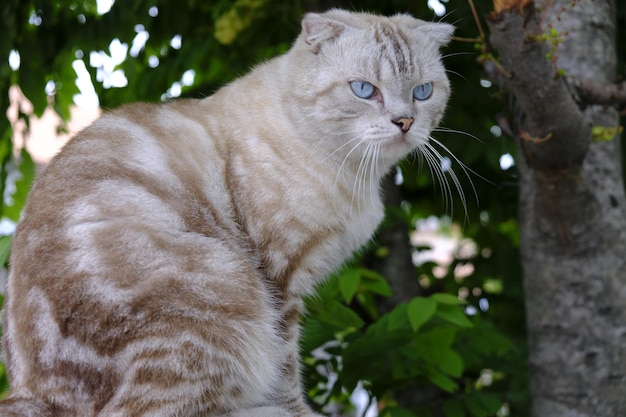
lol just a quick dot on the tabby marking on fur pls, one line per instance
(162, 257)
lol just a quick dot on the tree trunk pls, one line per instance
(572, 205)
(397, 266)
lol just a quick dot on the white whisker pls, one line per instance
(464, 167)
(459, 132)
(466, 171)
(449, 14)
(360, 140)
(433, 158)
(457, 74)
(360, 137)
(373, 179)
(417, 156)
(308, 116)
(360, 174)
(457, 54)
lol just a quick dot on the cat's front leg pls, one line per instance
(267, 412)
(289, 394)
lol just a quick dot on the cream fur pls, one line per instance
(161, 260)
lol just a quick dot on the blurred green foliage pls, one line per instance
(460, 357)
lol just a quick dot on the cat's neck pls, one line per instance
(316, 210)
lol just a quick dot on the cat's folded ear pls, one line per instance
(439, 32)
(318, 29)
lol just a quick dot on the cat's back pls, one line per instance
(132, 160)
(128, 234)
(150, 170)
(141, 157)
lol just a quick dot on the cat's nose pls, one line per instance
(404, 123)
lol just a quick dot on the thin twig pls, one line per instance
(461, 39)
(477, 19)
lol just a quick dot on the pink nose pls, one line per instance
(404, 123)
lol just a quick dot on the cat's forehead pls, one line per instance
(375, 47)
(386, 51)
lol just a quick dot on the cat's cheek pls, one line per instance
(436, 119)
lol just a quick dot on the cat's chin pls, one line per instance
(401, 145)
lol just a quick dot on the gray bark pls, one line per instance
(397, 266)
(572, 208)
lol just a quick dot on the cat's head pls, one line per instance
(369, 86)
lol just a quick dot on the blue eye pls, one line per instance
(362, 89)
(423, 91)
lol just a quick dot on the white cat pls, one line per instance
(162, 256)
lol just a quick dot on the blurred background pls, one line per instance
(430, 319)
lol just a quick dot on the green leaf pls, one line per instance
(481, 404)
(439, 337)
(453, 408)
(374, 282)
(397, 318)
(420, 310)
(475, 407)
(33, 87)
(230, 24)
(5, 249)
(490, 402)
(27, 171)
(4, 382)
(605, 133)
(396, 412)
(448, 299)
(348, 283)
(510, 229)
(493, 285)
(371, 275)
(337, 314)
(6, 149)
(442, 381)
(453, 314)
(315, 333)
(450, 362)
(442, 359)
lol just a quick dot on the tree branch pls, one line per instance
(559, 135)
(592, 92)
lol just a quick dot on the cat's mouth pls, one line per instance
(402, 141)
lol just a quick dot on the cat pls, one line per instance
(161, 260)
